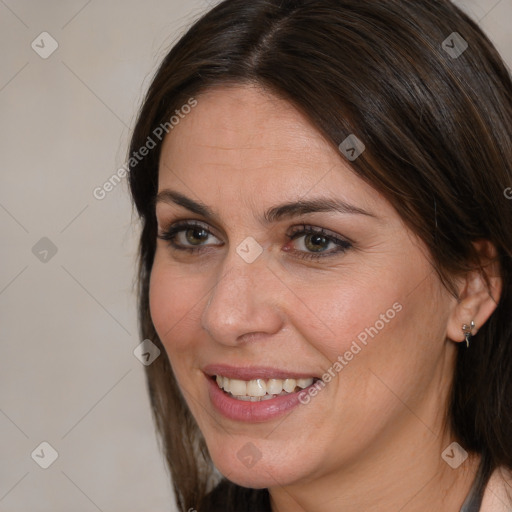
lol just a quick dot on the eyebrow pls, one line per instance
(274, 214)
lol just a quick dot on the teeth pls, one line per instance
(239, 388)
(304, 383)
(274, 386)
(259, 389)
(253, 398)
(256, 387)
(289, 385)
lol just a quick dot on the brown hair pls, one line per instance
(437, 129)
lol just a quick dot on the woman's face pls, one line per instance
(267, 296)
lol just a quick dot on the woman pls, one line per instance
(325, 258)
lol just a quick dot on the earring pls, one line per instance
(468, 330)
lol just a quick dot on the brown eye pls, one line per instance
(187, 236)
(195, 236)
(316, 243)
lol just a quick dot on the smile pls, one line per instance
(255, 394)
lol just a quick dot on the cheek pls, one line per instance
(175, 303)
(333, 315)
(379, 325)
(391, 340)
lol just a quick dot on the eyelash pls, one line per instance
(170, 233)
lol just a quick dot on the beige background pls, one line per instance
(68, 324)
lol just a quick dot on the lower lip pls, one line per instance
(251, 412)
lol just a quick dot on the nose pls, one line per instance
(244, 303)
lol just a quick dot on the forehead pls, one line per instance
(245, 140)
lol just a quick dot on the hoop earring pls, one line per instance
(468, 332)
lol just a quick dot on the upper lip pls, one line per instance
(253, 372)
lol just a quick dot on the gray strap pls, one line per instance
(473, 502)
(474, 499)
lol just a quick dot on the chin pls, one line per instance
(250, 481)
(244, 468)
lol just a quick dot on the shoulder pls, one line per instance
(498, 492)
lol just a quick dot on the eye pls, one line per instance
(316, 241)
(191, 235)
(186, 236)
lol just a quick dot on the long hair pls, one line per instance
(429, 95)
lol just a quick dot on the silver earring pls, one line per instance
(468, 331)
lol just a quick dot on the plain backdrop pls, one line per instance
(68, 331)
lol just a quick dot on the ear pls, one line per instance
(477, 301)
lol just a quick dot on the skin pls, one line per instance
(372, 439)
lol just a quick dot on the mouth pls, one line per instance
(256, 393)
(258, 390)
